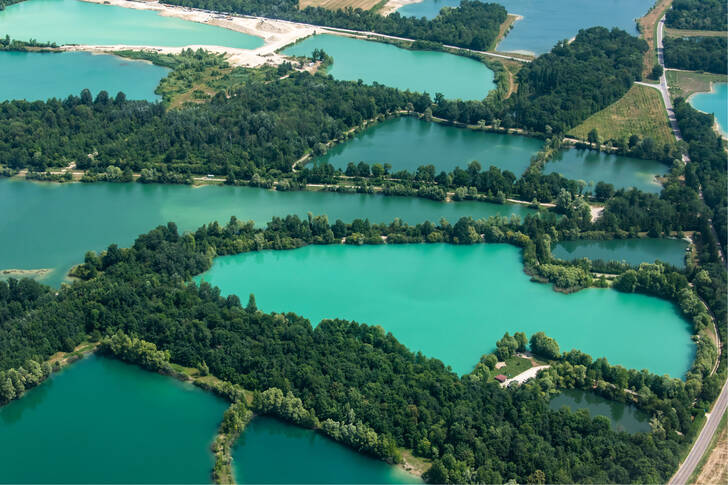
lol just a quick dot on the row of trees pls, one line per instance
(697, 53)
(473, 24)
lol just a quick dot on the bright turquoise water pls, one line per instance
(622, 172)
(39, 76)
(454, 302)
(103, 421)
(77, 22)
(715, 102)
(406, 143)
(309, 457)
(623, 417)
(633, 251)
(545, 23)
(45, 225)
(422, 71)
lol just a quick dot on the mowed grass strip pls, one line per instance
(639, 112)
(339, 4)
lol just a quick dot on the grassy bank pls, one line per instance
(639, 112)
(683, 84)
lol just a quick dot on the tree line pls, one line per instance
(472, 24)
(696, 53)
(698, 15)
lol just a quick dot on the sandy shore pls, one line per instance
(24, 273)
(394, 5)
(276, 34)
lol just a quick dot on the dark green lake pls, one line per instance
(623, 417)
(454, 302)
(407, 143)
(46, 225)
(103, 421)
(270, 451)
(632, 251)
(40, 76)
(622, 172)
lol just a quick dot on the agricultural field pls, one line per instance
(685, 83)
(339, 4)
(648, 28)
(639, 112)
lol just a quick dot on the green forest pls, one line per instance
(697, 53)
(698, 15)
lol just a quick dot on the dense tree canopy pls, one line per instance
(473, 24)
(562, 88)
(697, 53)
(262, 126)
(698, 15)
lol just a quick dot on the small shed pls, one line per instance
(501, 378)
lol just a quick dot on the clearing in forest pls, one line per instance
(639, 112)
(339, 4)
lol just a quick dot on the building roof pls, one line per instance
(501, 378)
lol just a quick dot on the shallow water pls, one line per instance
(623, 417)
(40, 76)
(454, 302)
(546, 22)
(715, 102)
(103, 421)
(77, 22)
(46, 225)
(407, 143)
(309, 458)
(622, 172)
(421, 71)
(632, 251)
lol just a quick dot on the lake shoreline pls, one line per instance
(719, 130)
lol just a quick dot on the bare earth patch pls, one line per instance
(715, 470)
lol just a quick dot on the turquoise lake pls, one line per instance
(454, 302)
(309, 458)
(407, 143)
(103, 421)
(40, 76)
(46, 225)
(77, 22)
(545, 23)
(623, 417)
(416, 70)
(715, 102)
(632, 251)
(593, 167)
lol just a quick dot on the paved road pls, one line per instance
(701, 444)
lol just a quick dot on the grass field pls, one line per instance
(514, 366)
(639, 112)
(685, 83)
(339, 4)
(695, 33)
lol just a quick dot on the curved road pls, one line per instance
(701, 444)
